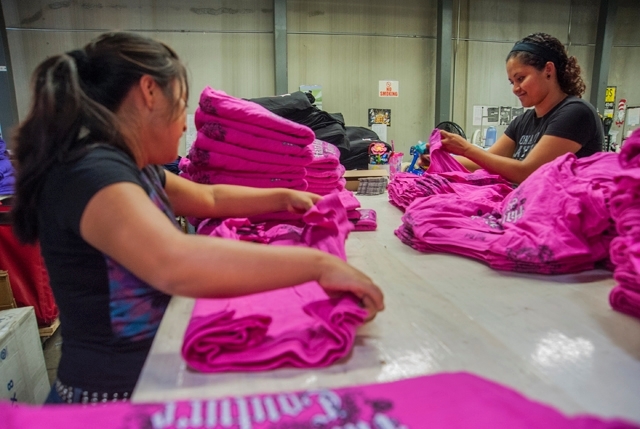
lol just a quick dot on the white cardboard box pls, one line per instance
(23, 373)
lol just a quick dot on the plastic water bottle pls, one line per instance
(490, 139)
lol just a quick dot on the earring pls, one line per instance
(548, 76)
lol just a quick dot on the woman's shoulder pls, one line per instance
(572, 102)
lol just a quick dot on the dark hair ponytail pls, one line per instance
(75, 97)
(567, 68)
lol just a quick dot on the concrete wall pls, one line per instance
(345, 46)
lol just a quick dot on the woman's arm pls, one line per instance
(498, 162)
(123, 223)
(205, 201)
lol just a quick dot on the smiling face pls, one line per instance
(530, 85)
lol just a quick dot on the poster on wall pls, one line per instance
(516, 111)
(379, 116)
(388, 88)
(316, 91)
(609, 101)
(486, 115)
(505, 115)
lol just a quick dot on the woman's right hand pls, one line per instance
(424, 161)
(338, 276)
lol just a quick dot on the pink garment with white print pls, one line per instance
(218, 103)
(455, 401)
(325, 156)
(298, 326)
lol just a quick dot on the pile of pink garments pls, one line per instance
(625, 210)
(242, 143)
(299, 326)
(556, 221)
(445, 175)
(324, 173)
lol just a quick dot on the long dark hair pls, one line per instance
(75, 97)
(567, 68)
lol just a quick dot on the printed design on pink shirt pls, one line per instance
(198, 156)
(526, 257)
(454, 401)
(208, 105)
(492, 220)
(214, 130)
(515, 209)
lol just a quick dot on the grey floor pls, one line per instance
(51, 348)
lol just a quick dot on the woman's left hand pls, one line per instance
(300, 202)
(454, 143)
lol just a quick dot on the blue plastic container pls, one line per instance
(490, 139)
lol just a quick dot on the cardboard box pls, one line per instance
(353, 177)
(6, 294)
(23, 373)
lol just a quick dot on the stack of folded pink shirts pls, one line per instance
(625, 249)
(556, 221)
(298, 326)
(242, 143)
(324, 173)
(445, 175)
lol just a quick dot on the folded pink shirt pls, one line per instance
(224, 129)
(298, 326)
(218, 103)
(206, 143)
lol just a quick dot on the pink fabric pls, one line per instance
(406, 187)
(225, 129)
(218, 161)
(625, 301)
(453, 401)
(218, 103)
(334, 173)
(298, 326)
(251, 137)
(441, 160)
(556, 221)
(230, 178)
(325, 156)
(364, 220)
(625, 211)
(206, 143)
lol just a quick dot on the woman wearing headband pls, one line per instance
(546, 78)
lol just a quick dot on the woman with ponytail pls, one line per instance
(89, 189)
(546, 78)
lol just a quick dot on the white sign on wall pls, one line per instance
(388, 88)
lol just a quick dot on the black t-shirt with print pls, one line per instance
(573, 119)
